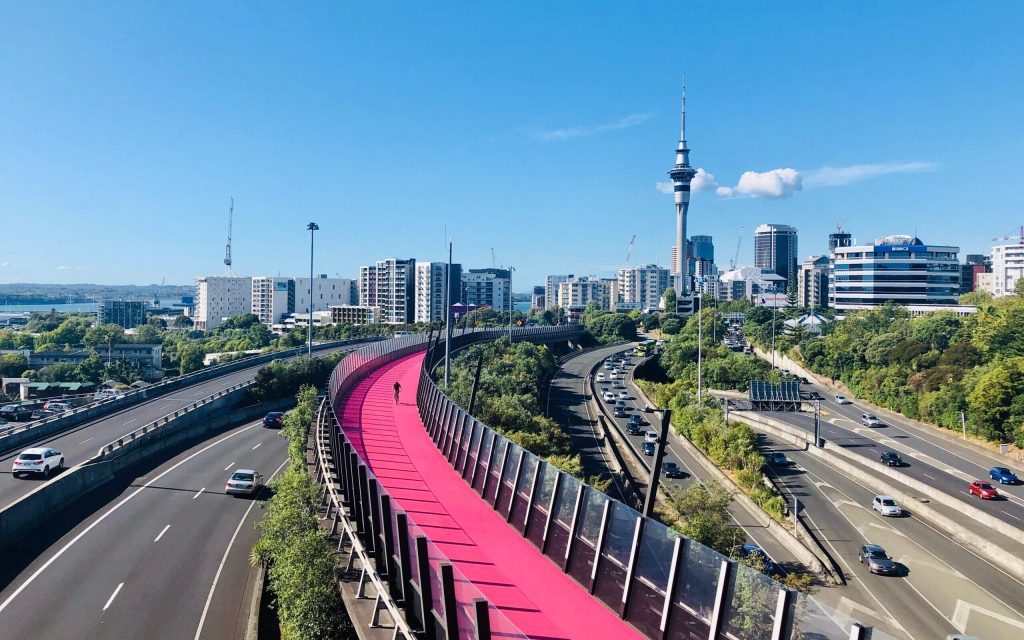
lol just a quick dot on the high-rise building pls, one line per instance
(812, 282)
(838, 239)
(551, 289)
(219, 298)
(537, 299)
(1007, 268)
(273, 298)
(486, 287)
(642, 285)
(430, 283)
(575, 293)
(775, 248)
(900, 269)
(974, 265)
(681, 175)
(126, 313)
(394, 281)
(750, 283)
(324, 293)
(703, 248)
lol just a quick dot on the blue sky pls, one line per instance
(541, 129)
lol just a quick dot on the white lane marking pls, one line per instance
(224, 559)
(928, 476)
(63, 550)
(165, 406)
(112, 596)
(162, 532)
(129, 422)
(229, 466)
(198, 492)
(257, 446)
(1010, 514)
(87, 440)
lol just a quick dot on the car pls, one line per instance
(648, 409)
(273, 419)
(37, 460)
(869, 420)
(672, 470)
(1002, 475)
(803, 380)
(608, 396)
(637, 419)
(619, 412)
(15, 413)
(244, 482)
(785, 373)
(877, 559)
(814, 395)
(620, 403)
(623, 395)
(842, 399)
(647, 448)
(612, 376)
(55, 406)
(600, 377)
(778, 458)
(983, 490)
(891, 459)
(886, 506)
(634, 429)
(650, 436)
(756, 554)
(107, 394)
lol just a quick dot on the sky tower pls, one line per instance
(681, 175)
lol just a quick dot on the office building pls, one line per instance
(900, 269)
(126, 313)
(812, 282)
(642, 285)
(486, 287)
(1007, 268)
(324, 292)
(838, 239)
(356, 314)
(974, 265)
(551, 289)
(751, 283)
(681, 175)
(537, 299)
(276, 297)
(775, 248)
(430, 283)
(703, 248)
(219, 298)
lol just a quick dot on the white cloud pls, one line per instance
(63, 268)
(703, 181)
(566, 133)
(724, 192)
(5, 264)
(777, 183)
(839, 176)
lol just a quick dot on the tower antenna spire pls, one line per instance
(682, 126)
(227, 249)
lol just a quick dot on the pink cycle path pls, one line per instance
(512, 574)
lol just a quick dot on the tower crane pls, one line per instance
(736, 256)
(629, 249)
(494, 261)
(227, 250)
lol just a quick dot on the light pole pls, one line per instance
(510, 270)
(447, 314)
(311, 227)
(774, 309)
(700, 348)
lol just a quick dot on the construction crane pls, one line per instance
(494, 261)
(1018, 238)
(629, 249)
(736, 256)
(227, 249)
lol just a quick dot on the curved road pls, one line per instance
(167, 558)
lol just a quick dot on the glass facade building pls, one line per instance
(900, 269)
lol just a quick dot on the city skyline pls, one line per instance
(305, 116)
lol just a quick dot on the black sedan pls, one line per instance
(891, 459)
(647, 448)
(15, 413)
(273, 419)
(672, 470)
(634, 429)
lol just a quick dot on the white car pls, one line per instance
(623, 395)
(608, 396)
(107, 394)
(57, 407)
(842, 400)
(869, 420)
(650, 436)
(37, 460)
(612, 376)
(243, 482)
(886, 506)
(600, 377)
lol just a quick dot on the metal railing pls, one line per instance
(659, 581)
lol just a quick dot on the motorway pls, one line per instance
(166, 558)
(82, 442)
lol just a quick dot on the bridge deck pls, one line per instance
(525, 586)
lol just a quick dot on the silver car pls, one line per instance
(244, 482)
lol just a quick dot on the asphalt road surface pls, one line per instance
(166, 558)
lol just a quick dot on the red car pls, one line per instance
(983, 490)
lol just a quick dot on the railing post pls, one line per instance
(674, 574)
(426, 594)
(634, 557)
(501, 471)
(479, 462)
(515, 485)
(466, 421)
(482, 619)
(555, 495)
(860, 631)
(378, 551)
(354, 503)
(533, 494)
(605, 516)
(389, 540)
(785, 608)
(405, 563)
(363, 497)
(725, 572)
(574, 528)
(470, 452)
(451, 614)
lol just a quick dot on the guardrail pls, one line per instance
(415, 582)
(664, 584)
(106, 407)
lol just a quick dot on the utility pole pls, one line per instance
(655, 477)
(510, 270)
(774, 309)
(311, 227)
(700, 347)
(448, 315)
(817, 423)
(963, 424)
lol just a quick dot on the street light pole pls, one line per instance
(510, 270)
(311, 227)
(700, 348)
(448, 315)
(774, 309)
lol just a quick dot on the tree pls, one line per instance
(704, 514)
(59, 372)
(190, 357)
(12, 364)
(91, 369)
(670, 300)
(182, 322)
(147, 334)
(1018, 287)
(104, 335)
(671, 326)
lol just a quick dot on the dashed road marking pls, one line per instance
(112, 596)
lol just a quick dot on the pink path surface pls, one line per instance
(528, 588)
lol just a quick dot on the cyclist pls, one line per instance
(398, 389)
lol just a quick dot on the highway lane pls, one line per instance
(168, 552)
(82, 442)
(946, 589)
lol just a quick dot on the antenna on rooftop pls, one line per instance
(227, 250)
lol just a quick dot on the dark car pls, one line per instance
(891, 459)
(273, 419)
(756, 554)
(15, 413)
(620, 412)
(634, 429)
(877, 559)
(672, 470)
(778, 458)
(636, 418)
(1002, 475)
(647, 448)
